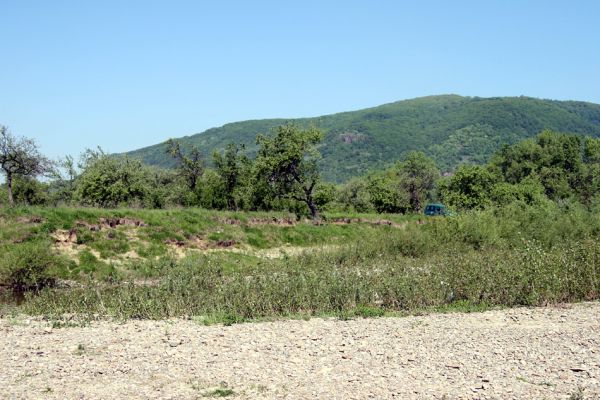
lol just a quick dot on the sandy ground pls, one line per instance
(542, 353)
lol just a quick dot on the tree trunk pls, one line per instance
(9, 188)
(231, 203)
(415, 198)
(314, 213)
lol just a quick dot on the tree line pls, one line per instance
(285, 176)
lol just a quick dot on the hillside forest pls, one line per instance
(450, 129)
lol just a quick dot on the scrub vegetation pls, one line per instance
(515, 255)
(266, 237)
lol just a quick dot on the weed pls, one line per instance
(577, 394)
(369, 312)
(219, 392)
(472, 262)
(80, 349)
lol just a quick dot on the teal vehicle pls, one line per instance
(436, 209)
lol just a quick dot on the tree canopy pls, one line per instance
(20, 157)
(288, 161)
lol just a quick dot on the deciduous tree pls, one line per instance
(288, 162)
(190, 166)
(418, 175)
(19, 156)
(230, 167)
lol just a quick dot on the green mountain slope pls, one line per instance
(450, 128)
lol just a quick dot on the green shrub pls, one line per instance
(30, 265)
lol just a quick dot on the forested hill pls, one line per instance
(452, 129)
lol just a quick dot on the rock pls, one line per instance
(451, 356)
(578, 369)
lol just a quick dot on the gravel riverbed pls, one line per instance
(537, 353)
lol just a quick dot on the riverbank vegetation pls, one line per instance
(515, 255)
(266, 237)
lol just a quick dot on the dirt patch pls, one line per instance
(131, 255)
(228, 221)
(104, 223)
(87, 225)
(30, 220)
(275, 252)
(519, 353)
(291, 221)
(114, 222)
(225, 243)
(255, 221)
(377, 222)
(65, 242)
(286, 221)
(290, 251)
(180, 248)
(64, 236)
(175, 243)
(73, 250)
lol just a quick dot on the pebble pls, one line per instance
(520, 353)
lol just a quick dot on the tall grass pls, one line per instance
(512, 256)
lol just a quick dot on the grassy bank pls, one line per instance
(41, 245)
(512, 256)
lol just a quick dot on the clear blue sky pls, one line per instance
(127, 74)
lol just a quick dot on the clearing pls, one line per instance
(551, 352)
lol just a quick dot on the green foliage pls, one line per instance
(288, 163)
(469, 188)
(515, 255)
(369, 311)
(27, 190)
(3, 196)
(589, 183)
(385, 194)
(108, 181)
(402, 188)
(111, 181)
(451, 129)
(62, 185)
(190, 166)
(591, 151)
(556, 159)
(529, 191)
(285, 176)
(354, 195)
(551, 166)
(324, 194)
(232, 166)
(20, 157)
(417, 175)
(212, 191)
(472, 144)
(29, 265)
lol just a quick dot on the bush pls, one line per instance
(29, 266)
(29, 191)
(111, 181)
